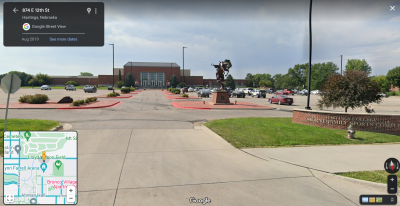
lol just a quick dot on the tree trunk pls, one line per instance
(345, 109)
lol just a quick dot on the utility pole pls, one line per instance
(184, 66)
(113, 67)
(309, 68)
(341, 72)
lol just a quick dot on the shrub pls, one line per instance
(126, 90)
(119, 84)
(81, 101)
(185, 95)
(113, 95)
(72, 82)
(392, 93)
(176, 92)
(25, 98)
(87, 100)
(93, 99)
(132, 89)
(75, 103)
(38, 99)
(169, 89)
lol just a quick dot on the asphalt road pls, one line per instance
(147, 152)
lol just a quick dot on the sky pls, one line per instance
(257, 36)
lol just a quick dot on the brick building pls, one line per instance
(146, 74)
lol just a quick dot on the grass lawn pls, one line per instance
(257, 132)
(379, 176)
(25, 125)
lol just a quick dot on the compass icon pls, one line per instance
(392, 165)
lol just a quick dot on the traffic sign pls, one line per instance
(10, 81)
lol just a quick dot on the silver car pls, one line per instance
(204, 93)
(45, 87)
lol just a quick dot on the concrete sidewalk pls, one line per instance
(169, 166)
(333, 159)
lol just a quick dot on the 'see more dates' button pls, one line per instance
(69, 39)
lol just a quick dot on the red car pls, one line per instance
(281, 99)
(279, 92)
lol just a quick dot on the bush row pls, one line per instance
(113, 94)
(175, 91)
(185, 95)
(34, 99)
(81, 101)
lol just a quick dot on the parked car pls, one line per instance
(315, 92)
(204, 93)
(45, 87)
(270, 91)
(281, 99)
(259, 93)
(279, 92)
(248, 91)
(190, 89)
(238, 94)
(288, 92)
(70, 87)
(302, 92)
(110, 88)
(383, 95)
(178, 87)
(184, 89)
(89, 89)
(123, 87)
(213, 90)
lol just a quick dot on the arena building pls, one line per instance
(145, 74)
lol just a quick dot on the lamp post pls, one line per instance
(170, 77)
(113, 68)
(341, 57)
(184, 66)
(309, 64)
(132, 75)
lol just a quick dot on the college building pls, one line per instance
(145, 74)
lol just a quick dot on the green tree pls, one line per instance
(393, 76)
(180, 84)
(352, 90)
(119, 84)
(359, 65)
(298, 74)
(119, 75)
(173, 81)
(129, 80)
(249, 76)
(249, 83)
(25, 78)
(86, 74)
(319, 73)
(383, 82)
(40, 79)
(72, 82)
(230, 82)
(265, 83)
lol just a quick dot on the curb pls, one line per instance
(57, 128)
(112, 105)
(177, 106)
(202, 108)
(216, 136)
(374, 185)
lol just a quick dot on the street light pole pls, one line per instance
(170, 77)
(132, 75)
(341, 72)
(309, 68)
(113, 68)
(184, 66)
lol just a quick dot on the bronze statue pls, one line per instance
(222, 67)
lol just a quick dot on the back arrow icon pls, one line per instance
(15, 10)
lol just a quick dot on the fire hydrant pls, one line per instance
(350, 132)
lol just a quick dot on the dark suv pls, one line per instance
(238, 94)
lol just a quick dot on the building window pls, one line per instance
(160, 78)
(242, 84)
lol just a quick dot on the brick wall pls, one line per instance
(106, 80)
(193, 80)
(238, 82)
(136, 71)
(389, 124)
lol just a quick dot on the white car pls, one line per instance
(190, 89)
(45, 87)
(315, 92)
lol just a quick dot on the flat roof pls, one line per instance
(151, 64)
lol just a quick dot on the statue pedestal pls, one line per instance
(220, 97)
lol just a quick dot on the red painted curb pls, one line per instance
(177, 106)
(112, 105)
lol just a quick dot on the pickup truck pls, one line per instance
(288, 92)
